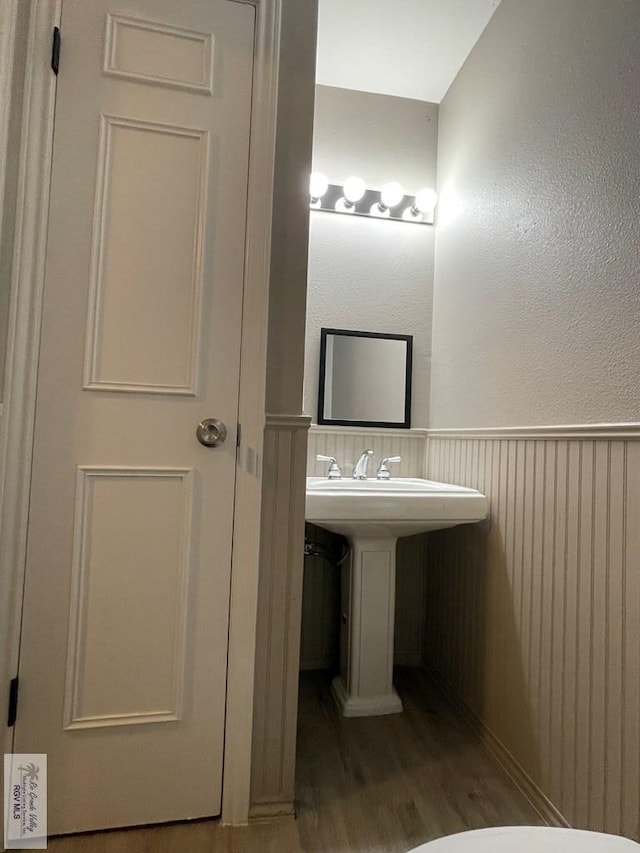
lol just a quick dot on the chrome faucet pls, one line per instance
(360, 468)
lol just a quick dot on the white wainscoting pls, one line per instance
(347, 443)
(533, 618)
(279, 607)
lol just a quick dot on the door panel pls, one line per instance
(130, 670)
(142, 330)
(156, 53)
(124, 646)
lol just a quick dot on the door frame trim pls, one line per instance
(16, 427)
(8, 23)
(23, 329)
(245, 562)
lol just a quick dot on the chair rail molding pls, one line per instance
(604, 431)
(22, 362)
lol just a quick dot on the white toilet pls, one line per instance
(529, 839)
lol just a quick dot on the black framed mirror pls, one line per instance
(365, 379)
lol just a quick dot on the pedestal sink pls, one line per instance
(372, 514)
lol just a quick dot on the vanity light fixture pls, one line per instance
(355, 199)
(423, 207)
(318, 186)
(353, 190)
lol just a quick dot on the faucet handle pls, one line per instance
(334, 469)
(383, 472)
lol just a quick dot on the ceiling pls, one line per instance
(407, 48)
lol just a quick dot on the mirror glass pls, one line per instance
(365, 379)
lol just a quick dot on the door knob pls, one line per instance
(211, 432)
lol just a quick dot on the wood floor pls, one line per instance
(368, 785)
(387, 784)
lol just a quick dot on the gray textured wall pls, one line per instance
(364, 274)
(287, 298)
(537, 295)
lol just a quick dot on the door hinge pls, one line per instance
(55, 51)
(13, 702)
(239, 435)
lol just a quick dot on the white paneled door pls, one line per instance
(124, 645)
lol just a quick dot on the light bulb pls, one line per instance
(426, 200)
(318, 185)
(423, 207)
(392, 194)
(354, 188)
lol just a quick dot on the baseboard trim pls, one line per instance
(507, 761)
(269, 811)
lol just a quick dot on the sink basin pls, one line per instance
(372, 514)
(397, 507)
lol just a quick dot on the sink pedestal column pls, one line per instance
(365, 684)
